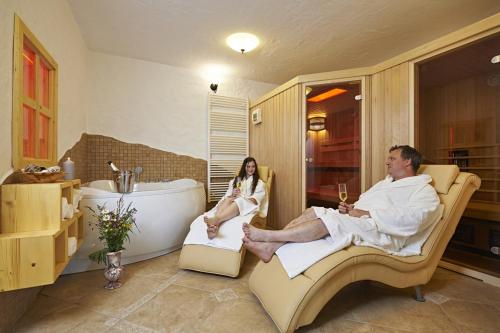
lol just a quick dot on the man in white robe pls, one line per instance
(386, 216)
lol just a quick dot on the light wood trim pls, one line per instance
(340, 75)
(274, 92)
(315, 78)
(365, 134)
(467, 34)
(486, 278)
(365, 119)
(34, 239)
(452, 40)
(18, 161)
(277, 143)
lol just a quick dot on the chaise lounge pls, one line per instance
(293, 303)
(204, 258)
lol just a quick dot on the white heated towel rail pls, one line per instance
(227, 141)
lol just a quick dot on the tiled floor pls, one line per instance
(158, 297)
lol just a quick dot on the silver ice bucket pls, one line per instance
(124, 181)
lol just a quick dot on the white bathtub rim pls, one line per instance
(94, 193)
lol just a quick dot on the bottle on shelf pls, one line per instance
(113, 167)
(69, 169)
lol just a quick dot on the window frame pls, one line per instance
(22, 34)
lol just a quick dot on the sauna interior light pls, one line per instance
(242, 42)
(329, 94)
(317, 123)
(495, 59)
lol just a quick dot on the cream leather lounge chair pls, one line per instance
(213, 260)
(293, 303)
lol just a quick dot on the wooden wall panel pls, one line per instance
(277, 143)
(390, 115)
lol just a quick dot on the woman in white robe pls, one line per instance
(244, 195)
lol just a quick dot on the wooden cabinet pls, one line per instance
(33, 235)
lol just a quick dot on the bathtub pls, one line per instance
(165, 211)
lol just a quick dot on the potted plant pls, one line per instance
(113, 227)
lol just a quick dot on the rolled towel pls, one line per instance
(77, 196)
(66, 209)
(71, 245)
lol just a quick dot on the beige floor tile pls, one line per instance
(473, 315)
(117, 302)
(396, 309)
(240, 316)
(70, 319)
(176, 309)
(44, 306)
(212, 283)
(464, 288)
(162, 267)
(72, 287)
(158, 297)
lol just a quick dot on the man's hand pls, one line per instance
(359, 213)
(345, 208)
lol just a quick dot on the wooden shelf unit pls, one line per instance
(33, 236)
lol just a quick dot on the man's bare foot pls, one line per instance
(212, 230)
(262, 250)
(255, 234)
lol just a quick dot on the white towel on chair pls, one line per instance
(229, 237)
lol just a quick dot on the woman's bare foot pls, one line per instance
(209, 220)
(255, 234)
(212, 230)
(263, 250)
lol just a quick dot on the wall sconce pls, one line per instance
(317, 123)
(213, 87)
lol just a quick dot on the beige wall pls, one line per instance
(160, 106)
(53, 24)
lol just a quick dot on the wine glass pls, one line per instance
(238, 185)
(343, 192)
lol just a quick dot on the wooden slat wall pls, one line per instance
(390, 115)
(277, 143)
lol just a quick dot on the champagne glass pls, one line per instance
(238, 185)
(343, 192)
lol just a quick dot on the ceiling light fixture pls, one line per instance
(326, 95)
(242, 42)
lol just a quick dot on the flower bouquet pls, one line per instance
(113, 227)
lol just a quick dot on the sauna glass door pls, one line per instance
(333, 149)
(459, 123)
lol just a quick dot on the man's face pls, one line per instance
(396, 165)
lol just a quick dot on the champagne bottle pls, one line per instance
(113, 166)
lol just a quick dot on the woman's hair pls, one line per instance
(243, 173)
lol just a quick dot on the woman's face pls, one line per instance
(250, 168)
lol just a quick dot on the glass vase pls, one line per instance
(113, 270)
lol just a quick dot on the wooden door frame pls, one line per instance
(364, 130)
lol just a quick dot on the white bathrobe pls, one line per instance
(246, 206)
(230, 233)
(403, 213)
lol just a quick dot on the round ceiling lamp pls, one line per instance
(242, 42)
